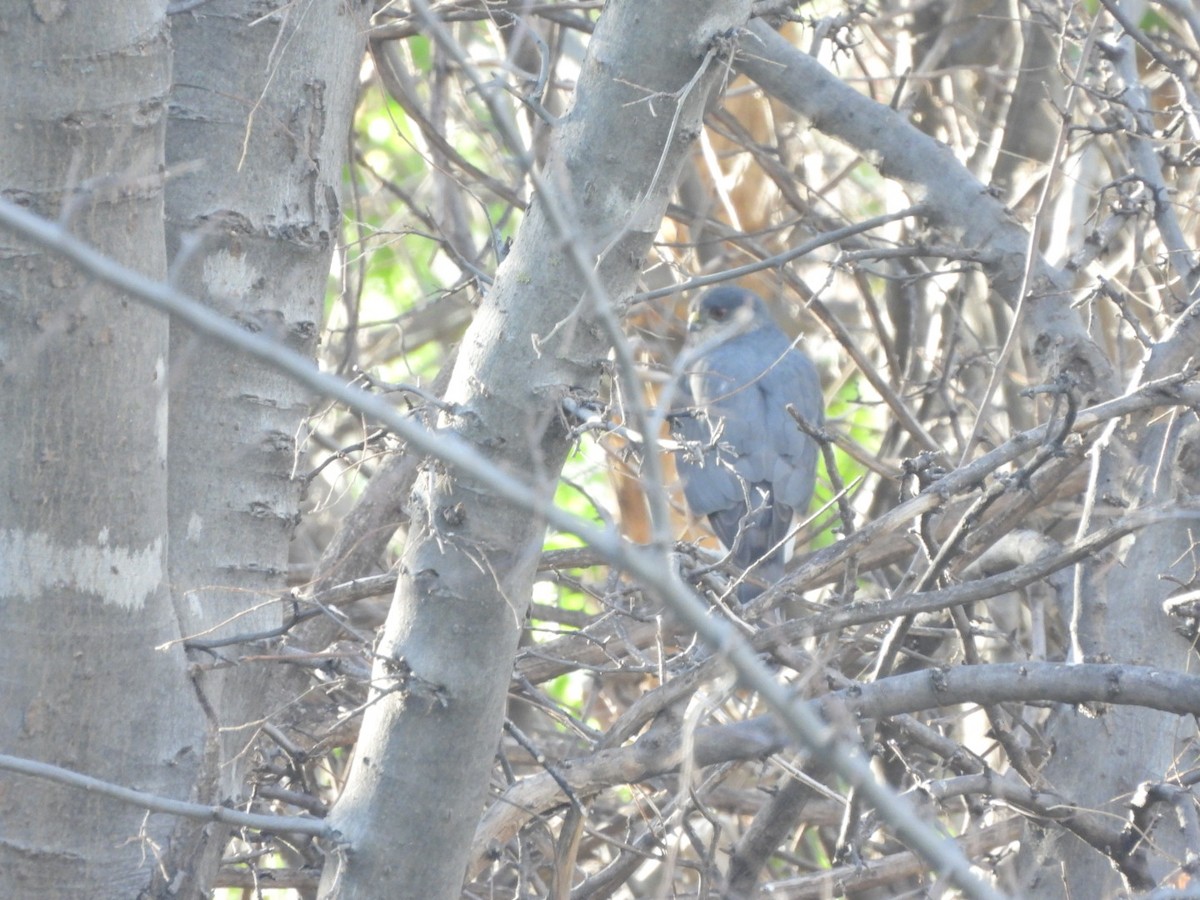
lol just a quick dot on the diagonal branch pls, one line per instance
(958, 203)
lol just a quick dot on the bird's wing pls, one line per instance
(709, 480)
(741, 389)
(793, 459)
(746, 464)
(746, 384)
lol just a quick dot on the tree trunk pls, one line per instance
(420, 770)
(260, 108)
(84, 599)
(1102, 761)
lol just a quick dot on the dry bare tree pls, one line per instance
(979, 218)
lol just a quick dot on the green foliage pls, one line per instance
(861, 421)
(583, 487)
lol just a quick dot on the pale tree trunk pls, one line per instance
(1111, 765)
(259, 113)
(1103, 761)
(1030, 127)
(421, 766)
(84, 599)
(260, 109)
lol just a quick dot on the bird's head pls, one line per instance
(727, 306)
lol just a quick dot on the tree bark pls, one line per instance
(420, 771)
(1102, 762)
(260, 108)
(84, 599)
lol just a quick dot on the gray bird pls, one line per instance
(744, 463)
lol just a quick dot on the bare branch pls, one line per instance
(199, 811)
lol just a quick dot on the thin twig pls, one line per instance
(155, 803)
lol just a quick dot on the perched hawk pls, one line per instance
(744, 463)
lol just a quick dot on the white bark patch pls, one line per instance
(226, 275)
(161, 408)
(192, 599)
(32, 564)
(195, 527)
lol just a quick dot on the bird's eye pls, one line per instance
(718, 313)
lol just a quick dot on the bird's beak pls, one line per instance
(694, 320)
